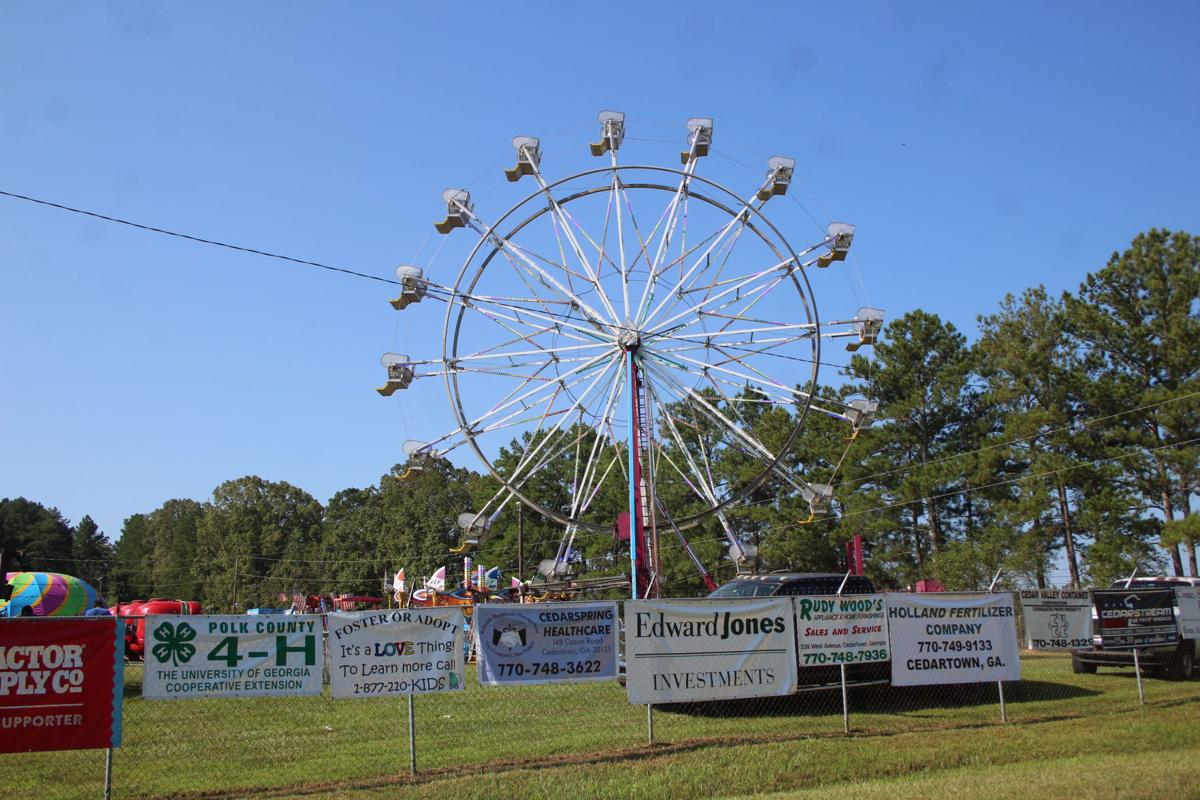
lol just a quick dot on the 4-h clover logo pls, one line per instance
(174, 643)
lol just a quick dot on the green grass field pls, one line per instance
(1067, 736)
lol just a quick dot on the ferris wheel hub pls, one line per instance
(629, 339)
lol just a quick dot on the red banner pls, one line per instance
(61, 683)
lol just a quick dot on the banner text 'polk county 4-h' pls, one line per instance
(232, 656)
(61, 684)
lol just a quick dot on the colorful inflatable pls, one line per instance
(47, 594)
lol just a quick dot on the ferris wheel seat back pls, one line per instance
(612, 132)
(862, 413)
(700, 132)
(839, 235)
(399, 371)
(412, 286)
(458, 207)
(868, 325)
(820, 502)
(779, 174)
(529, 157)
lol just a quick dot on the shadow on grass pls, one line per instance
(882, 700)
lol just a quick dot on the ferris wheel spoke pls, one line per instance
(615, 199)
(752, 296)
(562, 383)
(605, 419)
(539, 445)
(703, 259)
(545, 351)
(655, 267)
(707, 490)
(558, 215)
(770, 273)
(643, 241)
(703, 366)
(507, 246)
(714, 415)
(808, 327)
(556, 322)
(764, 346)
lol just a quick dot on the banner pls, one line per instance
(1187, 601)
(953, 638)
(545, 642)
(231, 656)
(403, 651)
(1057, 619)
(848, 629)
(685, 650)
(61, 683)
(1133, 618)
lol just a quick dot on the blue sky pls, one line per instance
(980, 149)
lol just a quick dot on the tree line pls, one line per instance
(1067, 433)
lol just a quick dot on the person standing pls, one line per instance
(98, 610)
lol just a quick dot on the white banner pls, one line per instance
(1057, 619)
(231, 656)
(402, 651)
(848, 629)
(953, 638)
(545, 642)
(1187, 601)
(685, 650)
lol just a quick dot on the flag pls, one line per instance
(438, 581)
(515, 584)
(398, 581)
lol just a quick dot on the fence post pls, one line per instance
(108, 774)
(412, 738)
(1137, 670)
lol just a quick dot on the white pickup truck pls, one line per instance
(1176, 661)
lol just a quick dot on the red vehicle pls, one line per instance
(137, 611)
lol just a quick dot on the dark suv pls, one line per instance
(812, 583)
(1175, 661)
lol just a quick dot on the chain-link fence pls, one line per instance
(237, 746)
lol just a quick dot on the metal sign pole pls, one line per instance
(845, 702)
(1137, 669)
(649, 723)
(412, 739)
(845, 692)
(108, 774)
(999, 684)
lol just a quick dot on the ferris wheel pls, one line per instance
(644, 330)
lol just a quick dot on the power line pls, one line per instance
(1009, 481)
(1082, 425)
(201, 240)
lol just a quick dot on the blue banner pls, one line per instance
(545, 642)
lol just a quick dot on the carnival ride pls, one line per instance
(640, 324)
